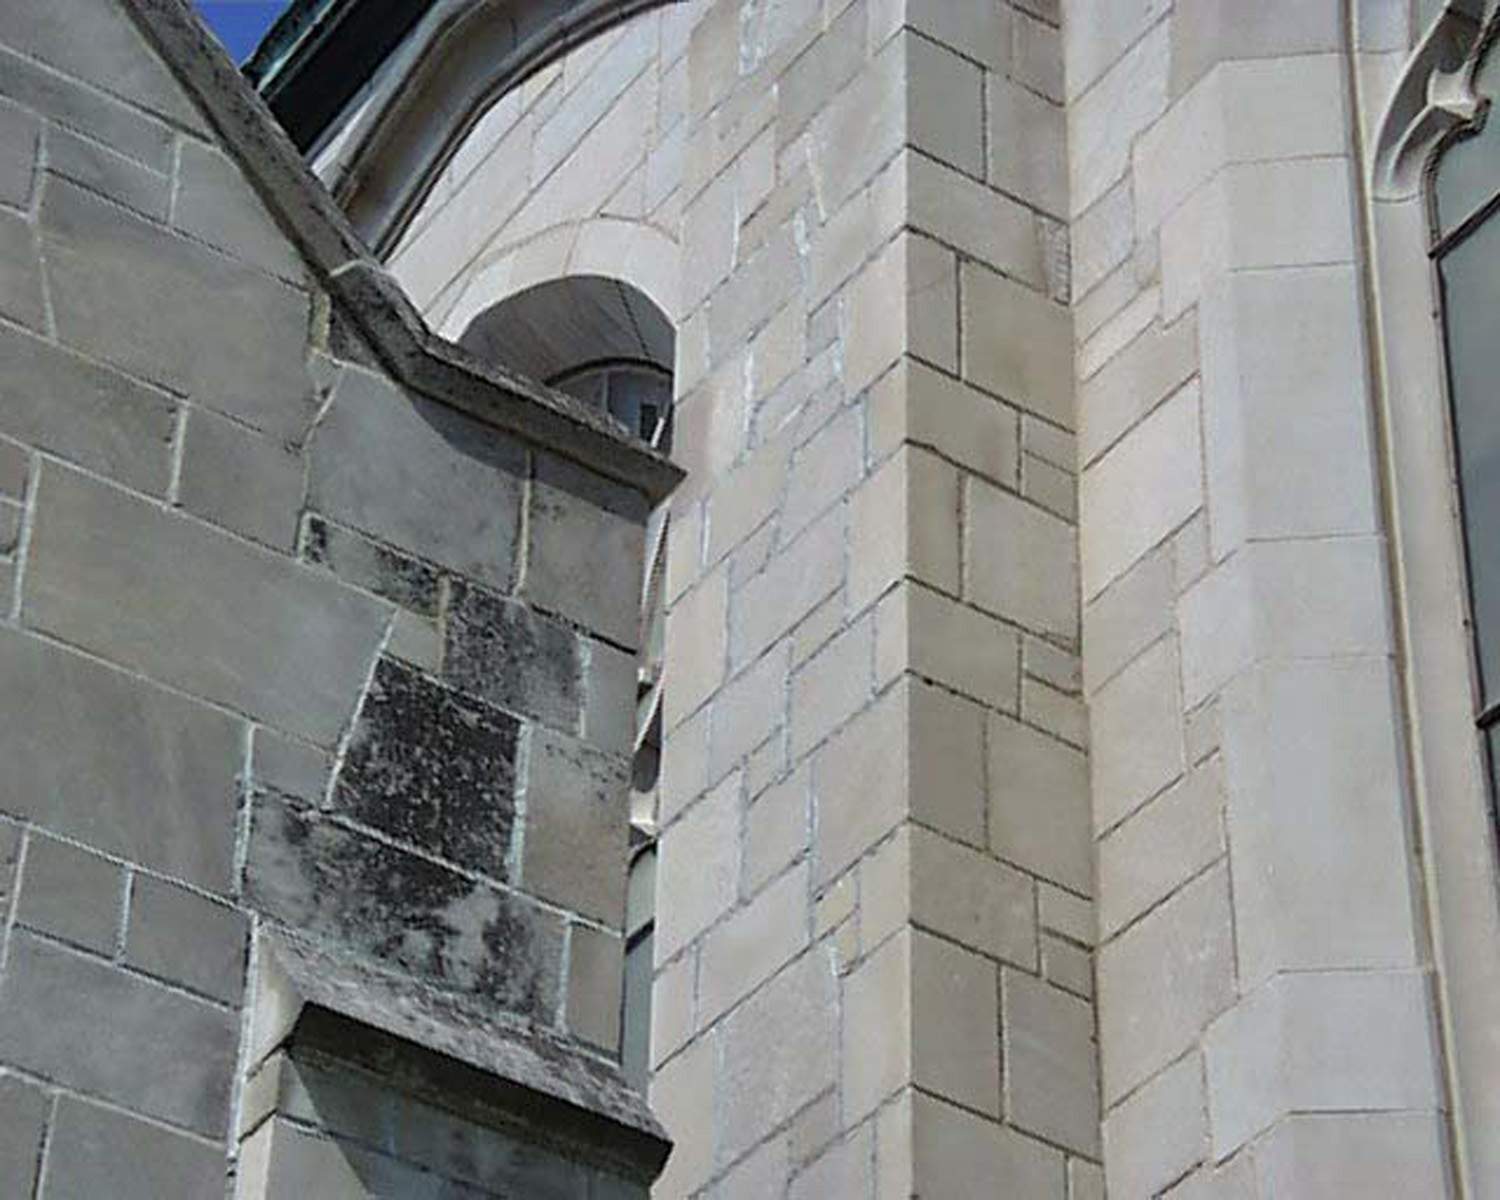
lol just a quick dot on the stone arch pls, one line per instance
(637, 254)
(461, 56)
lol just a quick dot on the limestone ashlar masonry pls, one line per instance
(293, 652)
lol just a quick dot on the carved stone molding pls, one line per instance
(1434, 100)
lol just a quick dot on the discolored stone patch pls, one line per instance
(509, 655)
(364, 563)
(375, 899)
(432, 767)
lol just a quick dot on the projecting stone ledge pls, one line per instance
(362, 1078)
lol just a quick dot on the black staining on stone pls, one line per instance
(434, 768)
(367, 564)
(414, 915)
(507, 654)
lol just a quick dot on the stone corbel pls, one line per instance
(1434, 100)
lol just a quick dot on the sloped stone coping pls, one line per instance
(490, 1070)
(375, 304)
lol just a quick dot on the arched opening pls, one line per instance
(606, 343)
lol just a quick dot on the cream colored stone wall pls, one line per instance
(1265, 1011)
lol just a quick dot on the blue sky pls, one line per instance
(240, 24)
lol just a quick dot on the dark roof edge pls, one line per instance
(415, 356)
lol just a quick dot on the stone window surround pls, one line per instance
(1432, 103)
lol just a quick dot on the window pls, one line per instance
(1466, 250)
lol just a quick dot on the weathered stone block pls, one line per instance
(20, 273)
(181, 936)
(433, 768)
(97, 1151)
(101, 170)
(355, 559)
(86, 413)
(577, 826)
(19, 132)
(23, 1118)
(505, 653)
(128, 293)
(1051, 1071)
(92, 1027)
(170, 597)
(71, 894)
(409, 912)
(117, 763)
(216, 203)
(249, 485)
(586, 547)
(595, 980)
(289, 767)
(423, 477)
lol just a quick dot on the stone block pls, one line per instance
(1398, 1154)
(96, 1029)
(291, 768)
(118, 764)
(981, 31)
(952, 1148)
(595, 979)
(1039, 804)
(97, 1151)
(1150, 482)
(421, 476)
(944, 105)
(88, 414)
(1037, 56)
(1020, 562)
(861, 127)
(973, 899)
(678, 1090)
(94, 43)
(750, 709)
(98, 168)
(1018, 344)
(1163, 845)
(367, 564)
(186, 938)
(216, 203)
(1158, 1133)
(576, 826)
(609, 716)
(24, 1109)
(184, 604)
(1289, 213)
(410, 913)
(778, 1053)
(1315, 816)
(822, 469)
(71, 894)
(1094, 45)
(21, 294)
(15, 468)
(748, 948)
(832, 686)
(1051, 1063)
(876, 332)
(1025, 133)
(1069, 915)
(1085, 1180)
(841, 1170)
(950, 643)
(777, 829)
(978, 221)
(698, 868)
(507, 654)
(1125, 618)
(697, 641)
(1102, 239)
(586, 541)
(1067, 966)
(914, 403)
(1223, 29)
(795, 580)
(1118, 331)
(1162, 981)
(1137, 734)
(1311, 1042)
(955, 1024)
(247, 484)
(859, 786)
(1105, 120)
(19, 133)
(1135, 381)
(126, 292)
(945, 767)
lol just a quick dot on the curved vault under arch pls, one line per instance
(460, 57)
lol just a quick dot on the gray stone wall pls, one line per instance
(283, 644)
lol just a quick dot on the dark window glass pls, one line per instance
(1471, 296)
(1470, 173)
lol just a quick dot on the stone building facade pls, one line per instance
(1052, 724)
